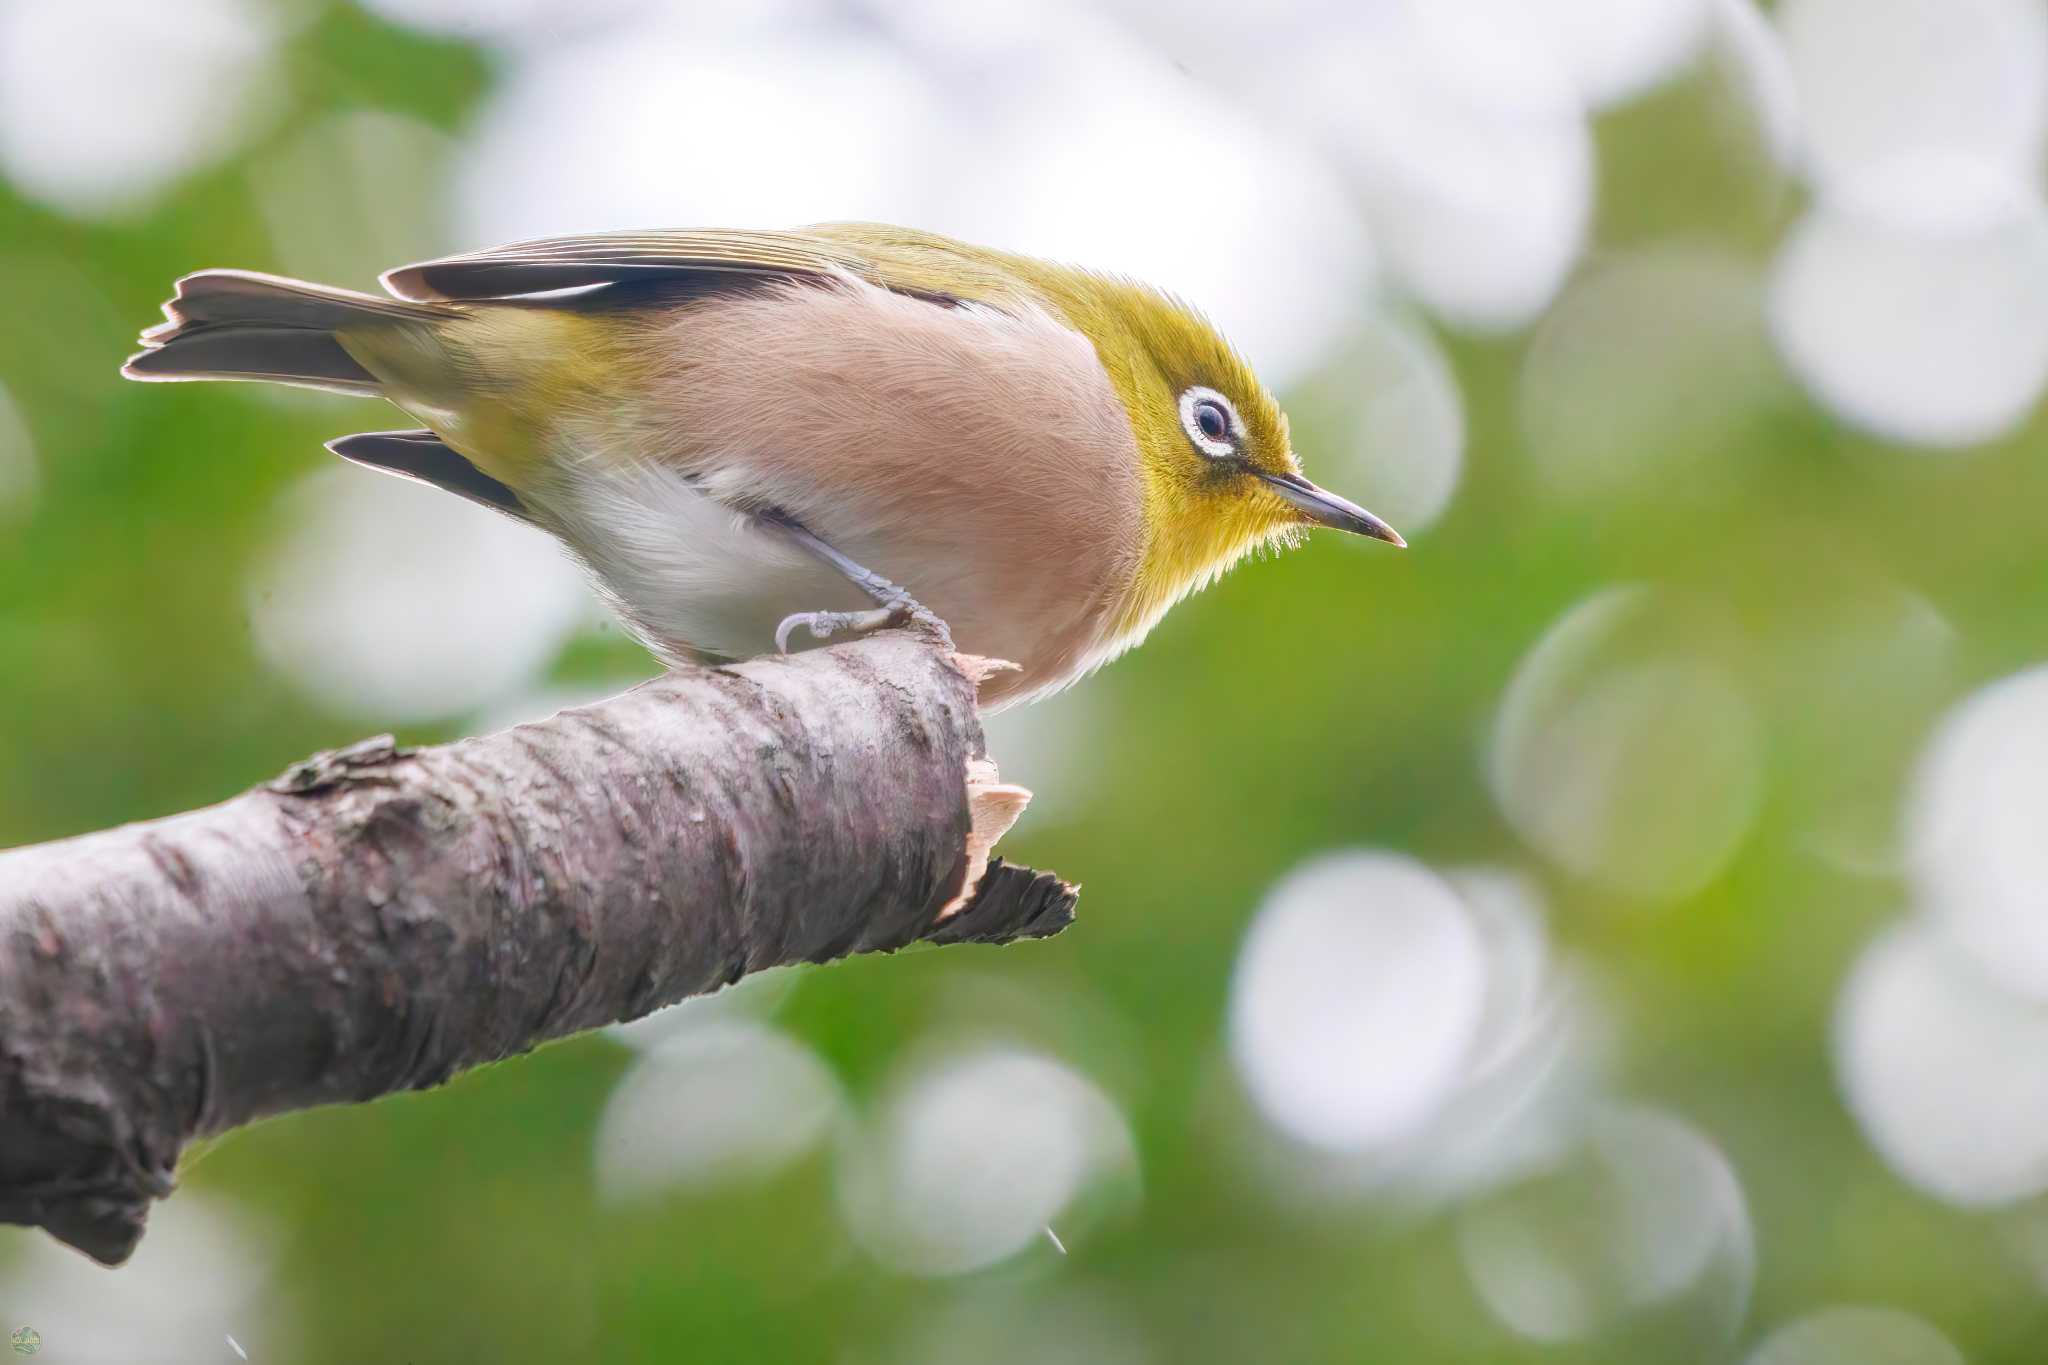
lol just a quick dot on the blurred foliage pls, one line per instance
(1333, 697)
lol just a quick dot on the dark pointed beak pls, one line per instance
(1325, 508)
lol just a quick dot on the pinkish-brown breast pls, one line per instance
(979, 458)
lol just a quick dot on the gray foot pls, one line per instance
(894, 606)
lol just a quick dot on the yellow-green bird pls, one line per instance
(741, 433)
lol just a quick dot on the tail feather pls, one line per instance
(422, 457)
(281, 355)
(238, 324)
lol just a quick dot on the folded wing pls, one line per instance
(555, 263)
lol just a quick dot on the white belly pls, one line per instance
(687, 572)
(694, 578)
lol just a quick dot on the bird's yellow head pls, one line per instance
(1219, 470)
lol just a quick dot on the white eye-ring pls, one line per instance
(1211, 422)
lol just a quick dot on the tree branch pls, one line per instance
(377, 920)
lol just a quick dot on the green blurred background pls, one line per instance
(1613, 930)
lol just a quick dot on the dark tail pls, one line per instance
(237, 324)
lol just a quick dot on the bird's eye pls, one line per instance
(1210, 422)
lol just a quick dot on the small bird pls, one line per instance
(745, 433)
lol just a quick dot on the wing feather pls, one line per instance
(554, 263)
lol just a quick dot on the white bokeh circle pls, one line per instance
(1884, 79)
(1357, 999)
(205, 1273)
(1648, 360)
(702, 131)
(1609, 50)
(1914, 301)
(1974, 835)
(105, 103)
(1472, 152)
(1624, 753)
(974, 1155)
(1081, 1325)
(385, 599)
(1940, 1069)
(728, 1101)
(1647, 1218)
(1856, 1335)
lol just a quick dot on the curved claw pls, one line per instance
(823, 625)
(820, 629)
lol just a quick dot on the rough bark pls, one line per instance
(379, 919)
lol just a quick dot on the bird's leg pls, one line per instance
(893, 604)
